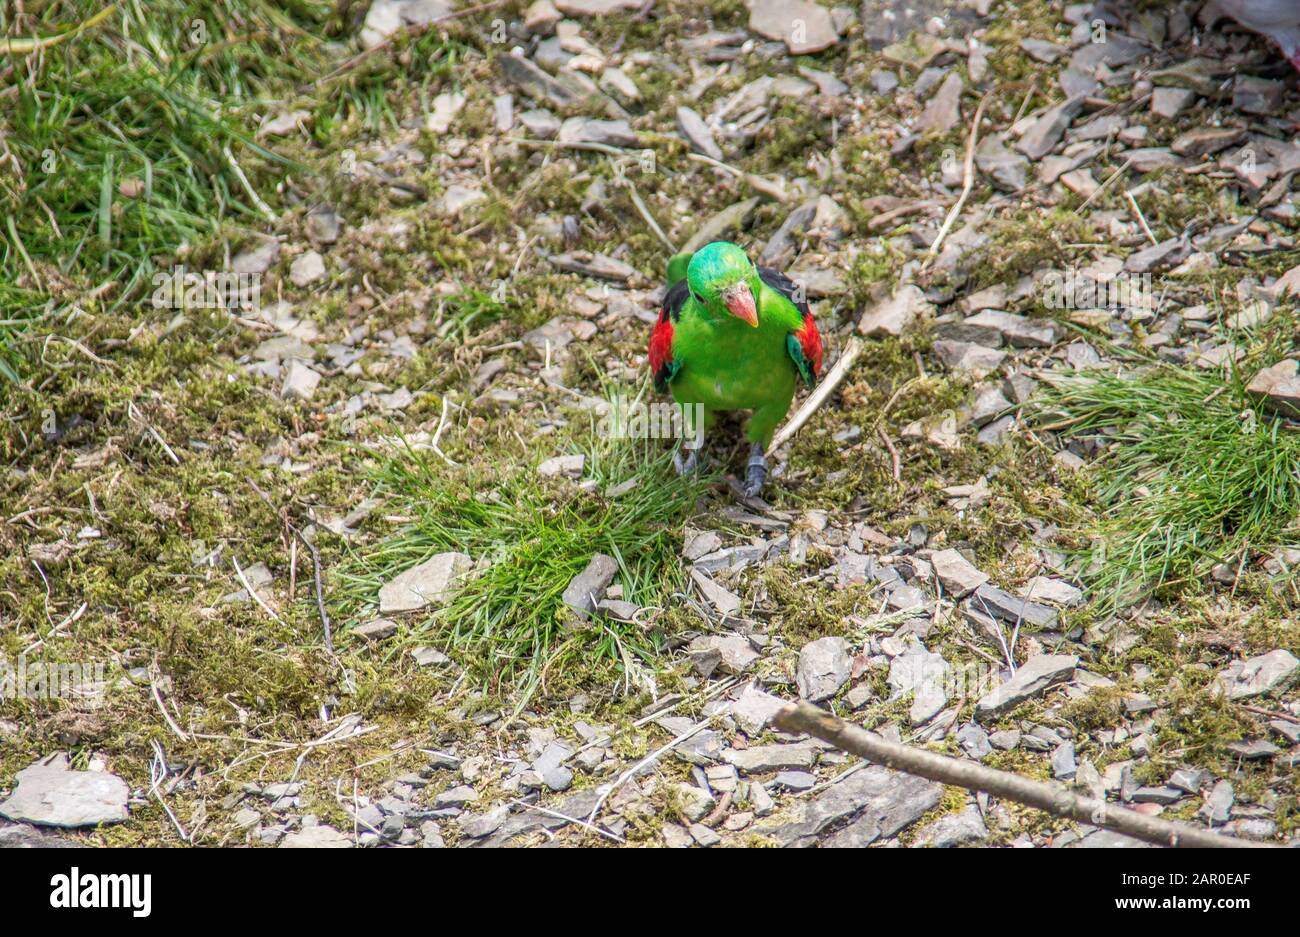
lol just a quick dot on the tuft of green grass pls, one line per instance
(530, 537)
(136, 137)
(1196, 472)
(19, 308)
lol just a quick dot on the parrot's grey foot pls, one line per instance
(755, 471)
(687, 465)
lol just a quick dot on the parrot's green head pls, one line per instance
(720, 278)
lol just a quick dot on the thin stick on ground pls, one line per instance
(136, 415)
(1104, 186)
(320, 592)
(293, 531)
(1054, 799)
(649, 218)
(968, 178)
(437, 434)
(162, 708)
(893, 453)
(560, 816)
(1141, 218)
(238, 170)
(645, 763)
(818, 396)
(243, 581)
(157, 774)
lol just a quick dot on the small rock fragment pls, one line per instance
(1035, 676)
(698, 133)
(1243, 679)
(300, 381)
(803, 26)
(306, 269)
(1278, 387)
(316, 837)
(895, 314)
(957, 576)
(587, 588)
(567, 466)
(432, 582)
(824, 667)
(50, 793)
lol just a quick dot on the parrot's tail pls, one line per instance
(677, 268)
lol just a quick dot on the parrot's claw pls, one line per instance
(689, 464)
(755, 472)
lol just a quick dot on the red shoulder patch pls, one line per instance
(810, 341)
(661, 349)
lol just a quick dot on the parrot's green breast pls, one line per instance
(730, 365)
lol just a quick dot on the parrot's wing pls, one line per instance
(804, 343)
(677, 267)
(663, 365)
(786, 287)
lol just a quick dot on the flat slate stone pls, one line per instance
(588, 587)
(803, 26)
(1108, 839)
(956, 574)
(48, 793)
(883, 802)
(824, 667)
(1056, 591)
(955, 829)
(1037, 675)
(1258, 675)
(762, 758)
(1278, 388)
(755, 709)
(698, 133)
(1158, 795)
(428, 583)
(1047, 131)
(1011, 608)
(1018, 330)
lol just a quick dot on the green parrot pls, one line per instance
(732, 336)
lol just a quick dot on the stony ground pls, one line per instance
(447, 302)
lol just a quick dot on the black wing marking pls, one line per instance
(786, 287)
(674, 300)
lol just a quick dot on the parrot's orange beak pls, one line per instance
(740, 303)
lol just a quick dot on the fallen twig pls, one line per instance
(645, 763)
(1142, 220)
(292, 531)
(157, 774)
(243, 581)
(1055, 799)
(320, 592)
(645, 214)
(968, 181)
(561, 816)
(1105, 185)
(893, 453)
(157, 437)
(437, 434)
(818, 396)
(157, 698)
(1270, 713)
(264, 208)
